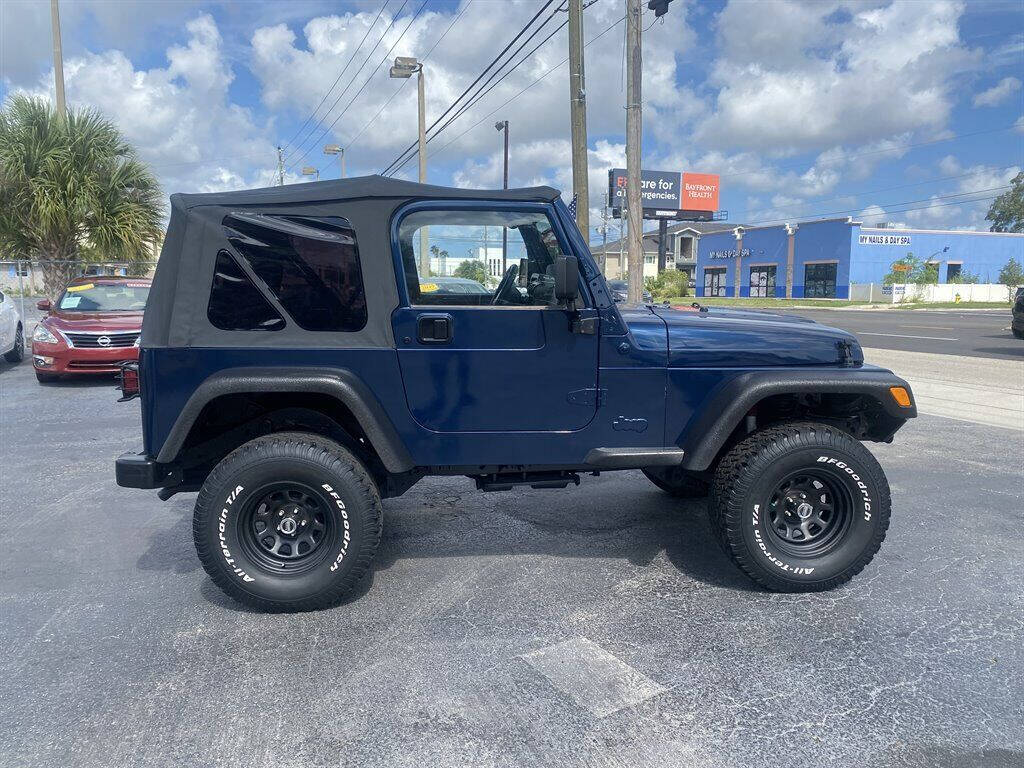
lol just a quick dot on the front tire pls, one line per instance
(800, 507)
(17, 354)
(288, 522)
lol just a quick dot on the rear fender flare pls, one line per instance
(339, 383)
(723, 409)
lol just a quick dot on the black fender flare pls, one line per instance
(724, 408)
(339, 383)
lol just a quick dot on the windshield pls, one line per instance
(618, 285)
(104, 297)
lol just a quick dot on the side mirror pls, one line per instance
(567, 280)
(43, 305)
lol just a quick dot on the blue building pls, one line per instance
(821, 259)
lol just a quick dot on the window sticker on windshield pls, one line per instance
(428, 287)
(70, 302)
(137, 285)
(85, 287)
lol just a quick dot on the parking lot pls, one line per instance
(599, 625)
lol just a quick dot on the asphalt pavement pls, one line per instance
(965, 333)
(596, 626)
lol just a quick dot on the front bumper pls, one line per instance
(137, 470)
(60, 359)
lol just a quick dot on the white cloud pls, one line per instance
(177, 116)
(296, 68)
(998, 93)
(797, 76)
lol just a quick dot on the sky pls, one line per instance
(902, 112)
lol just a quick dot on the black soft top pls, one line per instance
(176, 311)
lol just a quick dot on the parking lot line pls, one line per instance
(592, 677)
(904, 336)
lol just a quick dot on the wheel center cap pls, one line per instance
(804, 510)
(288, 526)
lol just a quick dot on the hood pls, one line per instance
(94, 321)
(737, 338)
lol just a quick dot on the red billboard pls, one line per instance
(668, 194)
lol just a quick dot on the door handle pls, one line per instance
(434, 328)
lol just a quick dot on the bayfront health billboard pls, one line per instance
(668, 194)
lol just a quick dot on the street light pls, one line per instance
(502, 125)
(309, 170)
(334, 149)
(405, 67)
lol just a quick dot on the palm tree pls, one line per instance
(72, 189)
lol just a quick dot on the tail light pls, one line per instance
(128, 382)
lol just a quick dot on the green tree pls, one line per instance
(1011, 276)
(914, 271)
(964, 278)
(72, 189)
(669, 284)
(472, 269)
(1007, 211)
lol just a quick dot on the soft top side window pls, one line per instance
(479, 257)
(235, 303)
(309, 264)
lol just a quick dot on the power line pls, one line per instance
(528, 87)
(342, 72)
(862, 192)
(888, 150)
(472, 85)
(340, 95)
(480, 94)
(405, 81)
(893, 206)
(365, 82)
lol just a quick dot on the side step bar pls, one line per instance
(633, 458)
(505, 480)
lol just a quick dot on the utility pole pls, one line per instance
(634, 138)
(578, 118)
(502, 125)
(58, 58)
(604, 235)
(280, 166)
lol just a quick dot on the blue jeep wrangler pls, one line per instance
(298, 365)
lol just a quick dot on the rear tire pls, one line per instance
(800, 507)
(17, 354)
(677, 482)
(1018, 333)
(288, 522)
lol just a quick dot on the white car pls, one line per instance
(12, 333)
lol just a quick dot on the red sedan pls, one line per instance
(92, 328)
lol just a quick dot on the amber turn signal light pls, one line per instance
(901, 396)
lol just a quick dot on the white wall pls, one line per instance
(884, 294)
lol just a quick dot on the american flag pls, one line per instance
(572, 207)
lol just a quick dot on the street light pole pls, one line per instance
(406, 66)
(334, 149)
(58, 58)
(502, 125)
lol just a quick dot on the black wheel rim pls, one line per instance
(809, 512)
(284, 527)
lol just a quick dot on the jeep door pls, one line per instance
(482, 344)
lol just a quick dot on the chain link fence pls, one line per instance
(23, 280)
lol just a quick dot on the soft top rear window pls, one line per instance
(309, 264)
